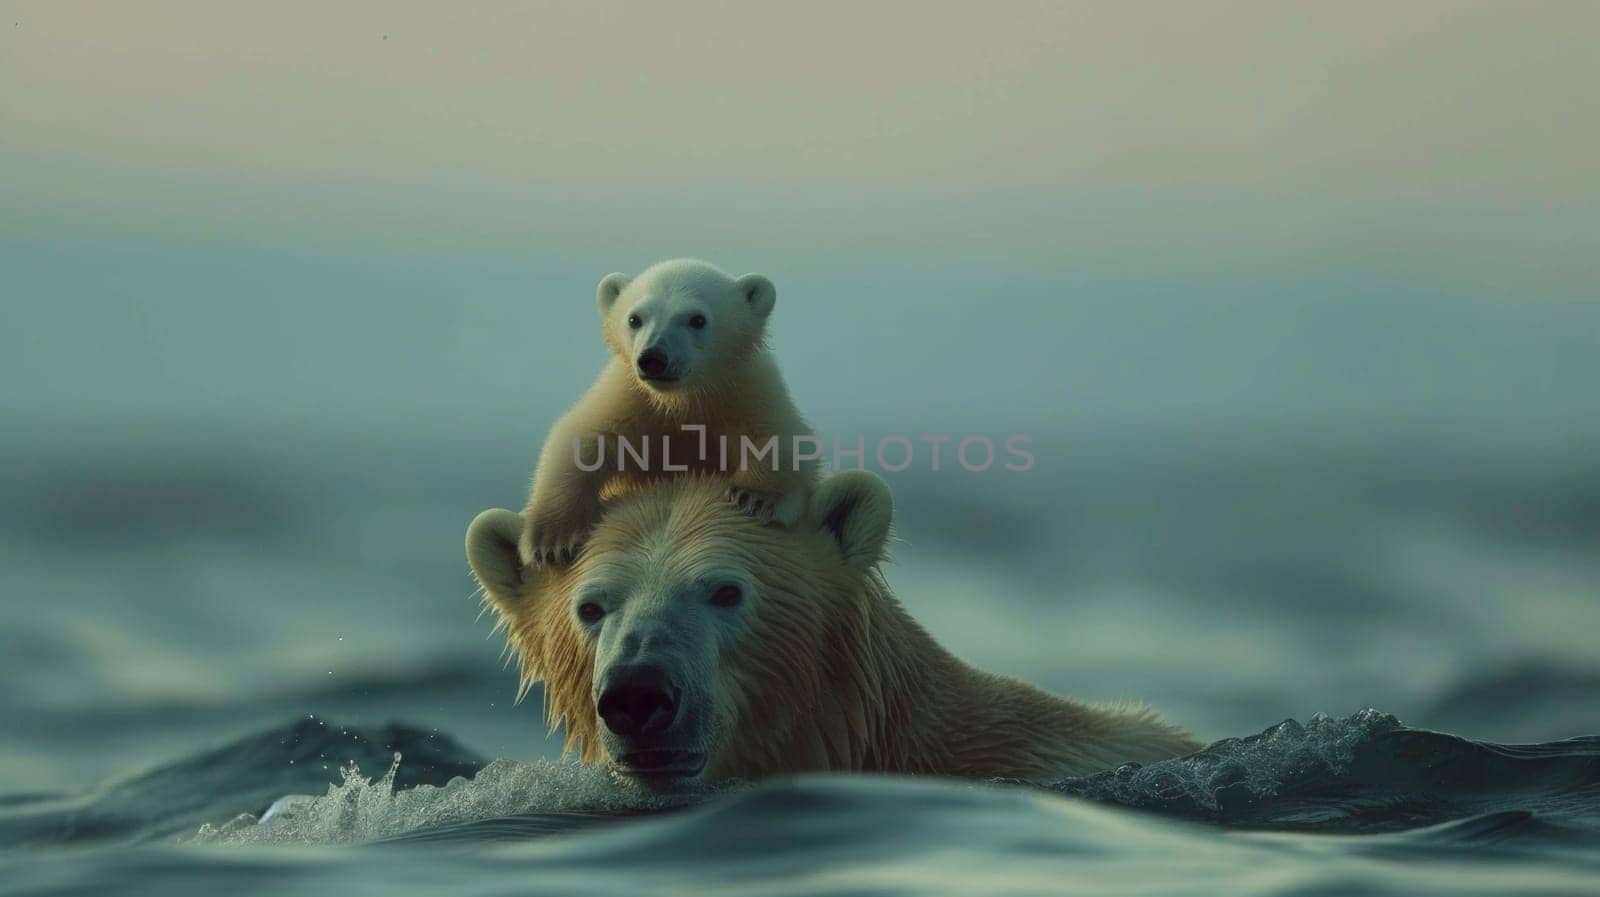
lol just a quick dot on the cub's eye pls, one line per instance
(589, 612)
(635, 322)
(698, 322)
(727, 596)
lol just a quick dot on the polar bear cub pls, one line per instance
(690, 385)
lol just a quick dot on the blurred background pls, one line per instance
(1299, 304)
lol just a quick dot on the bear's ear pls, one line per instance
(758, 292)
(611, 286)
(855, 508)
(492, 552)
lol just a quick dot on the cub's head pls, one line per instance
(690, 641)
(678, 323)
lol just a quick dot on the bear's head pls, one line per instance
(691, 641)
(681, 322)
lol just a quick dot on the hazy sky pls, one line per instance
(1178, 204)
(1491, 100)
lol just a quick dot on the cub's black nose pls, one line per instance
(638, 702)
(653, 363)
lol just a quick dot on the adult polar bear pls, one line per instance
(689, 640)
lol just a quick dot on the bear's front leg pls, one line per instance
(555, 532)
(772, 496)
(562, 507)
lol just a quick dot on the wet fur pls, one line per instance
(833, 674)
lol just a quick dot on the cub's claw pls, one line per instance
(759, 505)
(543, 550)
(551, 554)
(555, 535)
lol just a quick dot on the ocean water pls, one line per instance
(1360, 804)
(254, 662)
(1298, 304)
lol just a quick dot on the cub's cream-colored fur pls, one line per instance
(707, 332)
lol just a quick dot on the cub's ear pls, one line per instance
(492, 553)
(855, 508)
(758, 292)
(611, 286)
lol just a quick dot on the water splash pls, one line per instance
(1361, 774)
(358, 810)
(1236, 771)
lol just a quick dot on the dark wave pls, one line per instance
(1363, 774)
(245, 776)
(1332, 806)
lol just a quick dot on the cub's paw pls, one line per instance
(762, 506)
(547, 543)
(556, 550)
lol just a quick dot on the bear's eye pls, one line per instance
(698, 322)
(635, 322)
(589, 612)
(727, 596)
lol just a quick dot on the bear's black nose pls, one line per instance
(653, 364)
(638, 702)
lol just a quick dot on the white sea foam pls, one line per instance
(359, 810)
